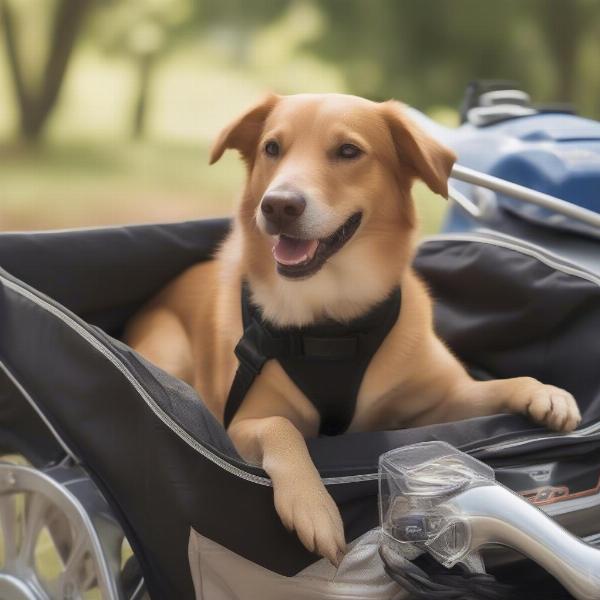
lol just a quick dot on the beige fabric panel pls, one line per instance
(220, 574)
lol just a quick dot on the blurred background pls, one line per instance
(108, 107)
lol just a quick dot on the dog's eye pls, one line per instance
(272, 148)
(349, 151)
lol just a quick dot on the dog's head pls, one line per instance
(327, 173)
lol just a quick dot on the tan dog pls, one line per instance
(317, 164)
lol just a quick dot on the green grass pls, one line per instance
(71, 185)
(74, 185)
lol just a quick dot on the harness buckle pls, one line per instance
(329, 348)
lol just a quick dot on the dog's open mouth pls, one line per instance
(300, 258)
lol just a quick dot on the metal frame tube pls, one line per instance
(518, 192)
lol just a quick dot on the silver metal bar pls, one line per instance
(497, 515)
(518, 192)
(437, 499)
(467, 204)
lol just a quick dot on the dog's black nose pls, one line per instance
(282, 207)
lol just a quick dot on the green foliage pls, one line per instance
(140, 27)
(421, 51)
(426, 51)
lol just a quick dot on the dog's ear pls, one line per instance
(429, 160)
(242, 134)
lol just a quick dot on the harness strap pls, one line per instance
(257, 346)
(327, 360)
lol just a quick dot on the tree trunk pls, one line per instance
(34, 109)
(146, 68)
(7, 23)
(563, 24)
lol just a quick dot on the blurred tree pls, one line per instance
(425, 51)
(242, 19)
(144, 31)
(35, 102)
(564, 25)
(145, 44)
(141, 31)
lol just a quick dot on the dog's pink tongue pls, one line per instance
(290, 251)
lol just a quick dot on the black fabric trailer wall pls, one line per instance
(167, 467)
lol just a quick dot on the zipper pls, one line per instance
(582, 433)
(496, 239)
(547, 258)
(156, 409)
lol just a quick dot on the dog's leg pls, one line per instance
(301, 500)
(461, 397)
(545, 404)
(448, 393)
(159, 336)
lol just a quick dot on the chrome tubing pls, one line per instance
(436, 499)
(498, 516)
(519, 192)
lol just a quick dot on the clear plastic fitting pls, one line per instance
(415, 484)
(436, 499)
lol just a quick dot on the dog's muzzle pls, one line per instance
(281, 209)
(299, 257)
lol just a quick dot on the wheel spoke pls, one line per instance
(46, 547)
(73, 575)
(10, 526)
(90, 576)
(36, 508)
(42, 592)
(60, 532)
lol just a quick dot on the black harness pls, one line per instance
(327, 361)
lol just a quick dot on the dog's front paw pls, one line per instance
(308, 509)
(548, 405)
